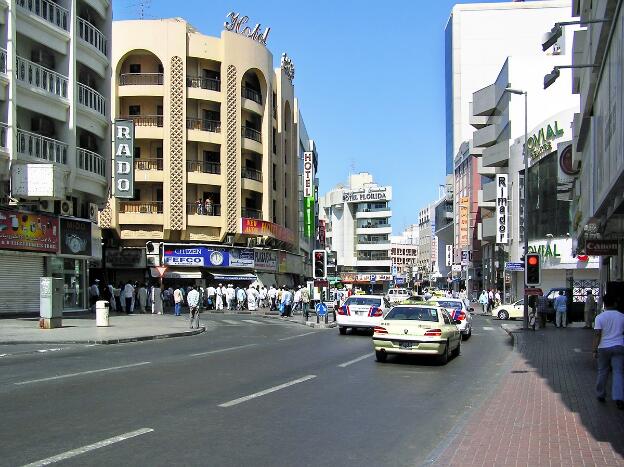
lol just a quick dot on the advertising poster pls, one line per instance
(29, 232)
(75, 237)
(242, 258)
(195, 257)
(265, 260)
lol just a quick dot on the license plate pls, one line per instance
(360, 313)
(405, 345)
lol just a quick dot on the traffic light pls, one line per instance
(319, 265)
(532, 269)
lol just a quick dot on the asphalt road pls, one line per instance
(251, 392)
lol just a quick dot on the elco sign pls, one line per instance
(124, 159)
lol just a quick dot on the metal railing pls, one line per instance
(251, 174)
(373, 242)
(252, 133)
(90, 161)
(47, 10)
(203, 209)
(148, 164)
(203, 167)
(385, 208)
(251, 213)
(141, 207)
(146, 120)
(41, 147)
(92, 35)
(3, 60)
(371, 225)
(380, 257)
(252, 94)
(41, 77)
(131, 79)
(92, 99)
(194, 123)
(4, 135)
(210, 84)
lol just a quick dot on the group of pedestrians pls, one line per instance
(131, 297)
(489, 299)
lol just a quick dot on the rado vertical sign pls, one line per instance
(502, 209)
(124, 159)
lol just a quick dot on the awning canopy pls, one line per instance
(233, 277)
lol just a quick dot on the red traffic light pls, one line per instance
(532, 260)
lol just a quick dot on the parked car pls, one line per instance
(575, 309)
(510, 311)
(459, 312)
(397, 295)
(361, 311)
(417, 330)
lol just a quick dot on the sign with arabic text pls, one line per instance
(28, 232)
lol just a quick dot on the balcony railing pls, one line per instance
(384, 208)
(193, 123)
(3, 60)
(251, 174)
(371, 225)
(148, 164)
(252, 94)
(366, 257)
(251, 213)
(4, 136)
(41, 77)
(252, 133)
(92, 35)
(41, 147)
(377, 241)
(203, 167)
(91, 161)
(47, 10)
(91, 99)
(132, 79)
(141, 207)
(146, 120)
(203, 209)
(210, 84)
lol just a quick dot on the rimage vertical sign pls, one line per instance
(449, 255)
(502, 209)
(124, 159)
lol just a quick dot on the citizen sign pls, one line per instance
(124, 159)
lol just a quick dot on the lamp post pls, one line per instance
(525, 201)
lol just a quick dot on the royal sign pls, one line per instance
(124, 159)
(237, 24)
(541, 142)
(502, 226)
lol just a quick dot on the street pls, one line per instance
(245, 392)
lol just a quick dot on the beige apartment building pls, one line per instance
(216, 140)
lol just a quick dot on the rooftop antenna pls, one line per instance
(141, 7)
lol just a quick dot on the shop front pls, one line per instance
(370, 283)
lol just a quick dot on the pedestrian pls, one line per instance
(589, 309)
(199, 206)
(142, 298)
(490, 301)
(193, 299)
(305, 299)
(497, 298)
(287, 301)
(117, 293)
(532, 311)
(297, 299)
(609, 350)
(211, 292)
(483, 300)
(262, 294)
(542, 310)
(106, 295)
(241, 296)
(157, 300)
(113, 298)
(94, 294)
(128, 294)
(178, 300)
(230, 295)
(561, 307)
(252, 298)
(220, 296)
(427, 295)
(272, 296)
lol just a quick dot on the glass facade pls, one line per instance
(73, 273)
(448, 91)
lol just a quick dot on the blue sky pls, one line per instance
(369, 76)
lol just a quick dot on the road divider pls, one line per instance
(355, 360)
(227, 349)
(240, 400)
(89, 372)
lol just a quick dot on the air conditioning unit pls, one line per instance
(153, 260)
(67, 208)
(93, 212)
(46, 205)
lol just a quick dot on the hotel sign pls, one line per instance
(124, 159)
(540, 143)
(237, 24)
(502, 227)
(308, 174)
(362, 196)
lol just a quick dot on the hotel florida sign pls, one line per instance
(502, 209)
(238, 23)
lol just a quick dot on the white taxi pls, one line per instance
(511, 311)
(397, 295)
(361, 311)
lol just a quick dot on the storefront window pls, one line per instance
(72, 272)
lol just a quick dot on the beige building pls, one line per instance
(213, 121)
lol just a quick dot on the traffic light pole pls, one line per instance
(525, 208)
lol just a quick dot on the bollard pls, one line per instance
(326, 317)
(317, 318)
(101, 313)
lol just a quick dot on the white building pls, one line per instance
(55, 144)
(427, 245)
(358, 230)
(404, 254)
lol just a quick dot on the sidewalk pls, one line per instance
(544, 411)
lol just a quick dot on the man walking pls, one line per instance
(561, 307)
(193, 302)
(542, 310)
(142, 298)
(94, 294)
(272, 295)
(128, 293)
(287, 300)
(211, 297)
(609, 350)
(220, 296)
(589, 309)
(178, 299)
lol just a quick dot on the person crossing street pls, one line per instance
(192, 299)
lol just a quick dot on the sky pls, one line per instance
(369, 77)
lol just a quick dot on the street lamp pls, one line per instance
(551, 77)
(525, 201)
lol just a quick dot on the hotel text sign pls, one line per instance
(237, 25)
(124, 159)
(502, 228)
(356, 197)
(308, 174)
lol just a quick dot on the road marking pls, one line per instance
(231, 321)
(487, 328)
(91, 447)
(49, 350)
(355, 360)
(578, 350)
(266, 391)
(251, 321)
(298, 335)
(209, 352)
(90, 372)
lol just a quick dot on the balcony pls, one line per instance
(91, 162)
(252, 94)
(141, 207)
(193, 123)
(42, 78)
(373, 214)
(202, 210)
(148, 164)
(209, 84)
(251, 213)
(251, 174)
(203, 167)
(91, 99)
(141, 79)
(48, 11)
(252, 133)
(93, 36)
(40, 147)
(3, 60)
(4, 136)
(497, 155)
(372, 256)
(146, 120)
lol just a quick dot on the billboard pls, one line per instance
(75, 237)
(28, 232)
(196, 256)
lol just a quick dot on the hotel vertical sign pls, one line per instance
(502, 226)
(308, 194)
(124, 159)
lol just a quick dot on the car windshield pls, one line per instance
(414, 314)
(363, 301)
(450, 304)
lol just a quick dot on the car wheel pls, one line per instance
(457, 350)
(342, 330)
(380, 356)
(466, 336)
(444, 358)
(503, 315)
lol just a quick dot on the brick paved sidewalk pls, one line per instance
(544, 412)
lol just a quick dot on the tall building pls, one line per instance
(216, 154)
(358, 229)
(427, 251)
(404, 255)
(54, 145)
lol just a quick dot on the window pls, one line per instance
(285, 151)
(274, 141)
(275, 211)
(137, 152)
(135, 68)
(212, 156)
(286, 216)
(160, 68)
(413, 314)
(134, 110)
(159, 153)
(274, 178)
(363, 301)
(446, 318)
(137, 194)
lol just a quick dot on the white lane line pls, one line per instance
(298, 335)
(49, 350)
(355, 360)
(266, 391)
(231, 321)
(487, 328)
(90, 372)
(251, 321)
(91, 447)
(227, 349)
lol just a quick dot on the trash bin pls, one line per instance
(101, 313)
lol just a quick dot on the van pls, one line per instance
(398, 295)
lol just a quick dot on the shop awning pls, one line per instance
(234, 277)
(266, 279)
